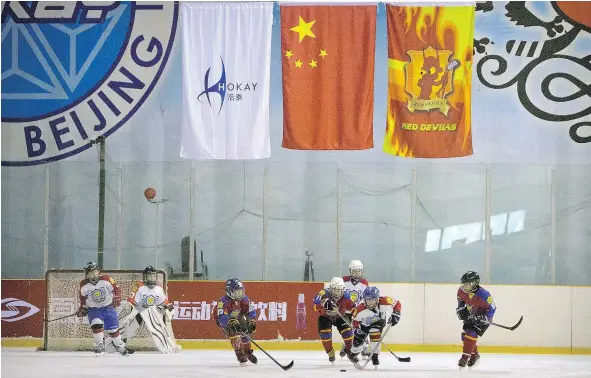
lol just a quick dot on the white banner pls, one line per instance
(226, 77)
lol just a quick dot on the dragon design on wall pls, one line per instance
(572, 20)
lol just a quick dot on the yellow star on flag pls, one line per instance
(298, 63)
(288, 54)
(304, 29)
(313, 63)
(323, 53)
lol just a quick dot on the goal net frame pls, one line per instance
(73, 333)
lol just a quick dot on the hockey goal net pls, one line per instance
(74, 333)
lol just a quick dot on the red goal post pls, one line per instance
(74, 333)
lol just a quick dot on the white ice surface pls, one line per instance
(19, 363)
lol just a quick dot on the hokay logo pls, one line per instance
(15, 309)
(219, 87)
(232, 91)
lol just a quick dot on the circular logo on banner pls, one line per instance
(73, 71)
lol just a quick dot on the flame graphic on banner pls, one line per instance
(429, 81)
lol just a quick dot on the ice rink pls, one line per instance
(21, 362)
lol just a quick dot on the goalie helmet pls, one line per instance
(91, 272)
(470, 281)
(356, 269)
(234, 289)
(371, 296)
(336, 288)
(150, 276)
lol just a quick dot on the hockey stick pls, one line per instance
(400, 359)
(63, 317)
(373, 351)
(286, 367)
(509, 328)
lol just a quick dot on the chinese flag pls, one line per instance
(328, 74)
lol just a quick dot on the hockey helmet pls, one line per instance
(336, 288)
(356, 269)
(91, 272)
(371, 296)
(150, 275)
(470, 281)
(234, 289)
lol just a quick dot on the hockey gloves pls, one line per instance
(394, 318)
(251, 326)
(327, 304)
(479, 320)
(82, 311)
(234, 325)
(462, 313)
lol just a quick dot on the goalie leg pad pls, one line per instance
(155, 323)
(129, 324)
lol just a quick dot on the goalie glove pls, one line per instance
(167, 306)
(394, 318)
(234, 325)
(82, 311)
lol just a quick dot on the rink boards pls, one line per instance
(556, 318)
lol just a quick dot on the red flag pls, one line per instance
(328, 76)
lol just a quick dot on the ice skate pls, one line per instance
(342, 353)
(99, 349)
(463, 361)
(331, 356)
(241, 357)
(352, 357)
(122, 350)
(251, 357)
(375, 360)
(474, 360)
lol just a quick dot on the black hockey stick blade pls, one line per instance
(510, 328)
(284, 367)
(288, 366)
(401, 359)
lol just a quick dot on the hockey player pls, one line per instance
(236, 316)
(370, 317)
(150, 307)
(329, 303)
(99, 296)
(355, 284)
(476, 309)
(147, 294)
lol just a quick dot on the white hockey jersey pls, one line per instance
(100, 294)
(142, 297)
(366, 316)
(355, 287)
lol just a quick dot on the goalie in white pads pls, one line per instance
(99, 296)
(370, 318)
(150, 307)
